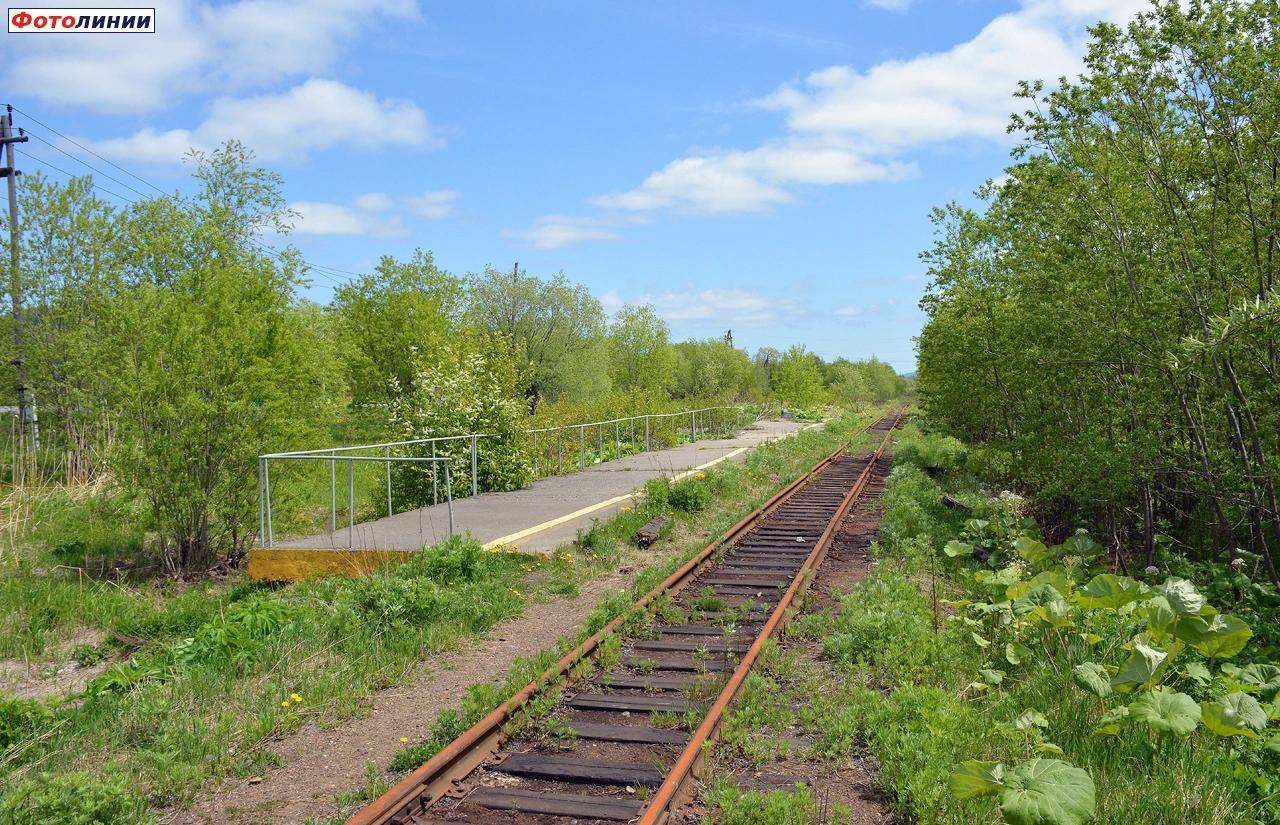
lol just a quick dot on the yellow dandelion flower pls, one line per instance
(404, 739)
(295, 697)
(285, 703)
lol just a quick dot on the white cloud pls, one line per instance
(752, 180)
(555, 231)
(319, 218)
(288, 125)
(890, 5)
(964, 92)
(863, 310)
(199, 48)
(734, 305)
(432, 205)
(374, 202)
(612, 302)
(849, 126)
(372, 214)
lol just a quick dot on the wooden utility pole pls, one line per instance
(29, 429)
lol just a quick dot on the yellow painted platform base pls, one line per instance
(291, 564)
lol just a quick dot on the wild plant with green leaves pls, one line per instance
(1152, 662)
(1039, 683)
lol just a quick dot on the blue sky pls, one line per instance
(762, 167)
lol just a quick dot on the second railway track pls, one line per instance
(606, 758)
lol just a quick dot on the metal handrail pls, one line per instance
(697, 424)
(441, 438)
(266, 531)
(383, 445)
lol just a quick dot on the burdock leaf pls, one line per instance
(1236, 714)
(1165, 711)
(1015, 653)
(1047, 792)
(1031, 718)
(1092, 677)
(973, 778)
(1265, 677)
(1220, 637)
(1141, 667)
(1182, 596)
(1109, 591)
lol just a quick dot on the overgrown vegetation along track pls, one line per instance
(606, 755)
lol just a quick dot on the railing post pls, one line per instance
(474, 464)
(600, 440)
(448, 491)
(534, 450)
(266, 485)
(390, 513)
(333, 492)
(262, 508)
(646, 433)
(693, 425)
(582, 446)
(617, 440)
(351, 504)
(435, 482)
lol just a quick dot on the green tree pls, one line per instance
(713, 370)
(797, 378)
(766, 358)
(72, 268)
(554, 330)
(1108, 324)
(640, 353)
(401, 308)
(215, 368)
(847, 383)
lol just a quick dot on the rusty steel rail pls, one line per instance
(675, 789)
(442, 774)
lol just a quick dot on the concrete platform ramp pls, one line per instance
(538, 518)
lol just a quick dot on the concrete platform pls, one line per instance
(538, 518)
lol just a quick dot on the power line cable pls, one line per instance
(95, 169)
(56, 168)
(331, 274)
(87, 149)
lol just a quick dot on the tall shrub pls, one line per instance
(215, 371)
(467, 386)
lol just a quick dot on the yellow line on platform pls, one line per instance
(512, 538)
(555, 522)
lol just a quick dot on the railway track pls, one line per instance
(615, 750)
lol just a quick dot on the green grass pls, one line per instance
(733, 806)
(201, 674)
(914, 695)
